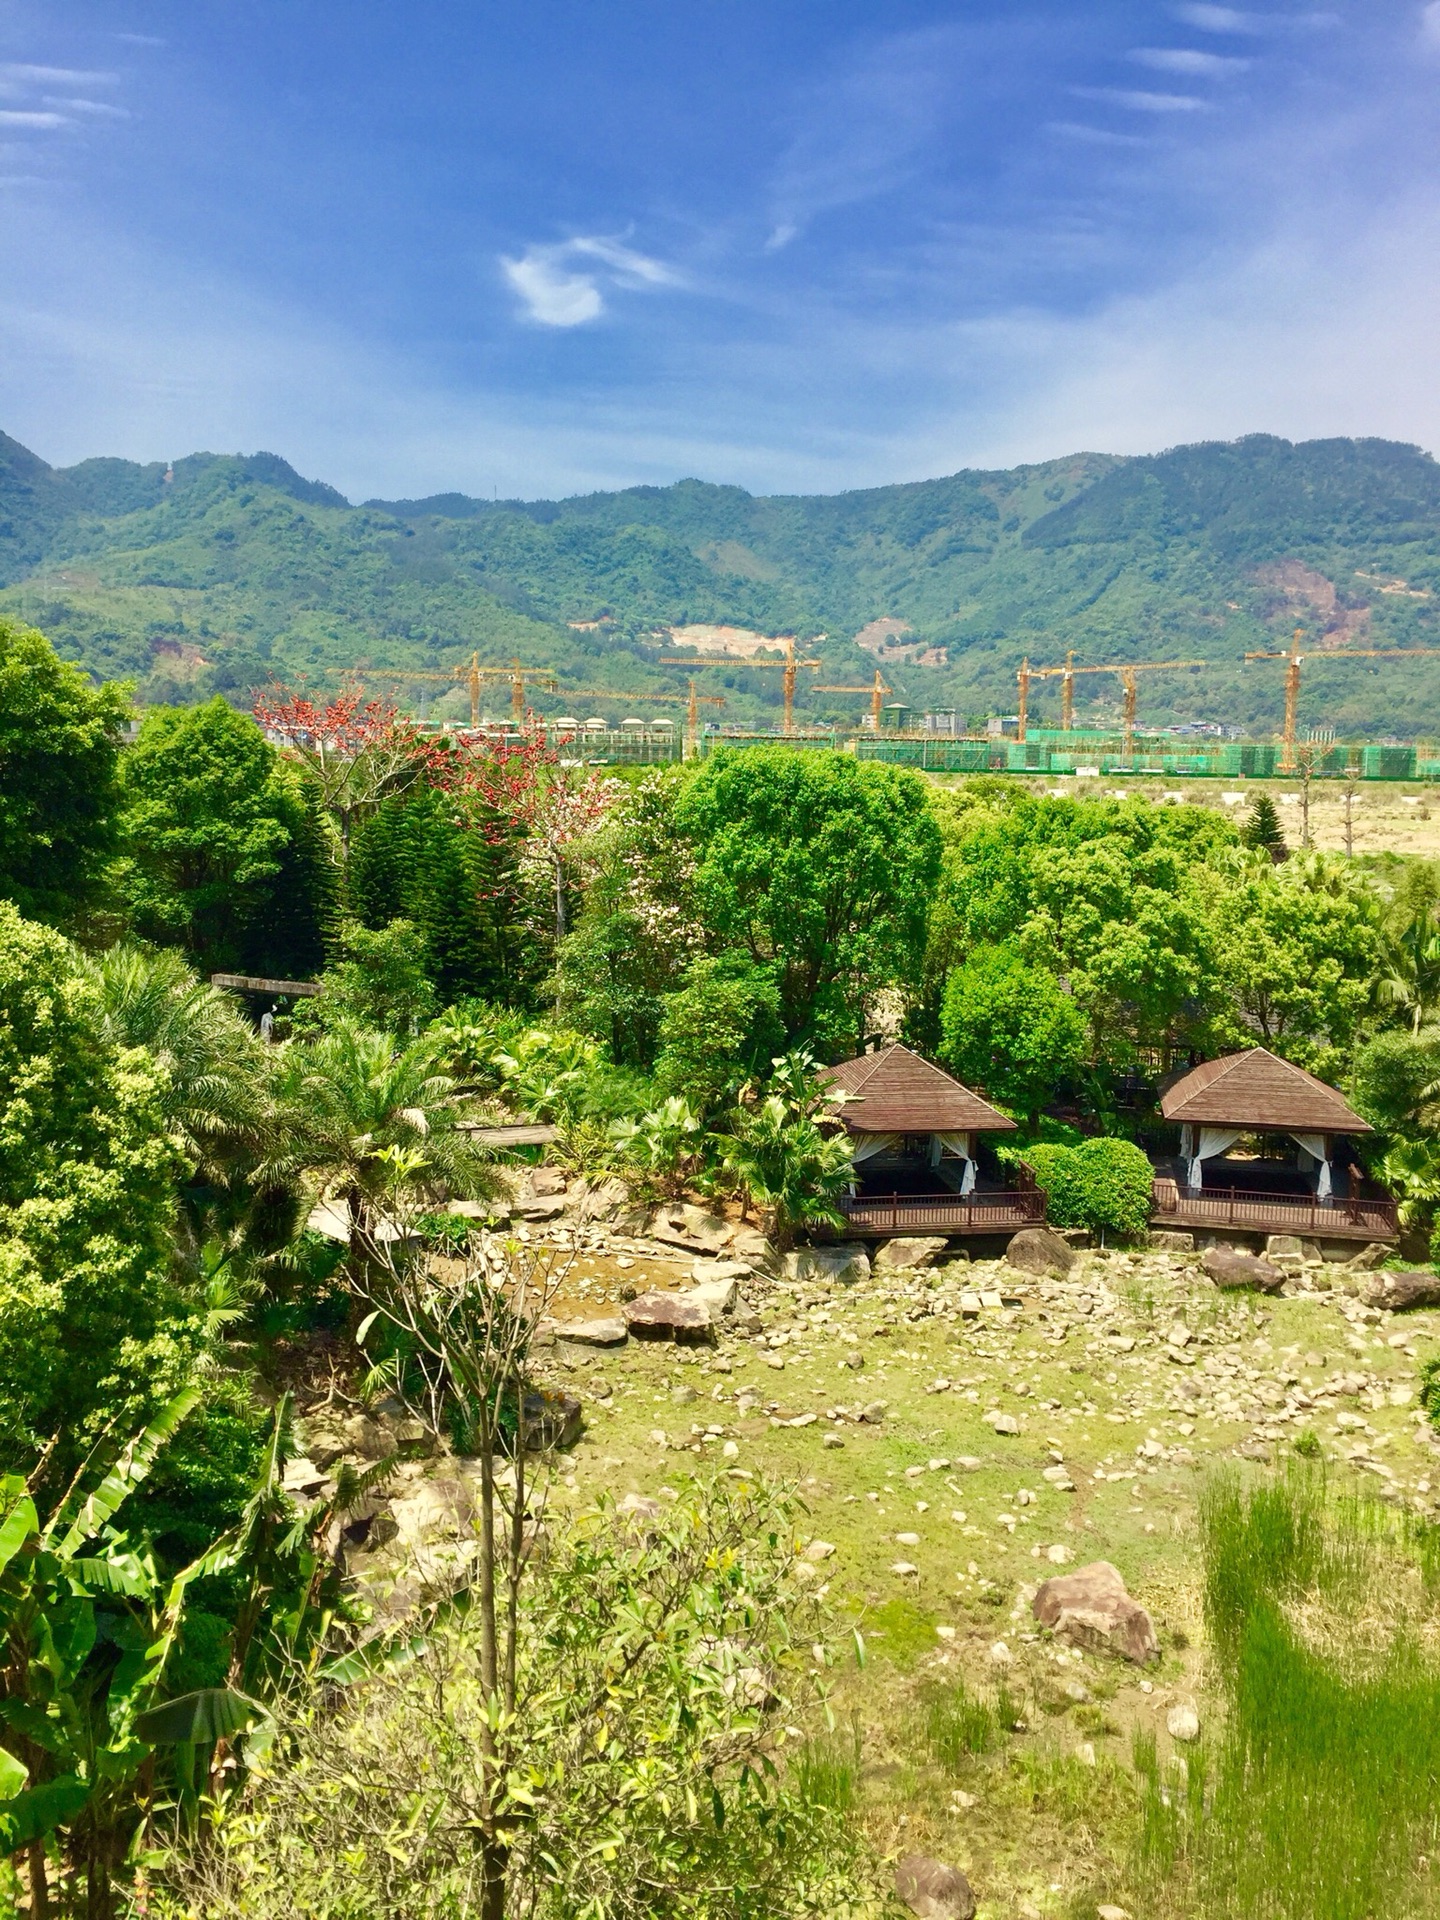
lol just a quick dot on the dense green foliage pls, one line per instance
(236, 568)
(221, 854)
(59, 742)
(1102, 1185)
(820, 869)
(1009, 1029)
(91, 1326)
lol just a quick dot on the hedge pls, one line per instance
(1103, 1185)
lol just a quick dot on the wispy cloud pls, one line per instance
(1219, 19)
(1189, 60)
(559, 293)
(1095, 136)
(1430, 26)
(54, 76)
(97, 109)
(17, 117)
(1142, 102)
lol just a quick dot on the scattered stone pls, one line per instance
(1183, 1723)
(639, 1506)
(720, 1296)
(668, 1316)
(1059, 1478)
(1058, 1556)
(541, 1208)
(819, 1550)
(611, 1331)
(547, 1181)
(1001, 1656)
(847, 1265)
(692, 1229)
(1230, 1269)
(1111, 1913)
(553, 1418)
(1402, 1292)
(1091, 1608)
(904, 1570)
(1167, 1241)
(932, 1890)
(874, 1414)
(1283, 1246)
(852, 1358)
(1039, 1251)
(301, 1475)
(833, 1441)
(748, 1243)
(1002, 1422)
(1375, 1255)
(909, 1253)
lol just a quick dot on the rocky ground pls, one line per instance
(960, 1431)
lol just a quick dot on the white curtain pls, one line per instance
(865, 1146)
(1314, 1145)
(1199, 1144)
(957, 1146)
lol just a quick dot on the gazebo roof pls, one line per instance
(895, 1091)
(1258, 1089)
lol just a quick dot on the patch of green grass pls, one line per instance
(902, 1631)
(1320, 1793)
(960, 1726)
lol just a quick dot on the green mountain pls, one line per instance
(225, 571)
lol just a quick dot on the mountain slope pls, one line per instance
(224, 570)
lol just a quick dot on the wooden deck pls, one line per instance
(1362, 1218)
(880, 1215)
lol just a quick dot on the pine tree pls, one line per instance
(1263, 829)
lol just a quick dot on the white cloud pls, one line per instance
(1188, 60)
(1430, 26)
(1095, 136)
(54, 76)
(1218, 19)
(1141, 102)
(98, 109)
(11, 117)
(557, 294)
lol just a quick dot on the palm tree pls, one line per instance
(1410, 965)
(376, 1122)
(214, 1067)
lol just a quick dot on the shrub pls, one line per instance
(1102, 1186)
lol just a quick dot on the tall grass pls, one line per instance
(1321, 1794)
(959, 1725)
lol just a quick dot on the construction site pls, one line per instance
(889, 729)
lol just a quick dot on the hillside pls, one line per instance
(225, 570)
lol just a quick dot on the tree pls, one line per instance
(821, 869)
(379, 977)
(1297, 950)
(59, 748)
(1101, 1185)
(92, 1326)
(355, 750)
(775, 1152)
(1262, 830)
(210, 816)
(1010, 1028)
(373, 1118)
(718, 1029)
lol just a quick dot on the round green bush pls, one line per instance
(1102, 1186)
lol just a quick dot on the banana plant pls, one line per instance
(87, 1627)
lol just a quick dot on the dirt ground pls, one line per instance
(1385, 816)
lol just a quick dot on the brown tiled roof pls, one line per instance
(895, 1091)
(1257, 1089)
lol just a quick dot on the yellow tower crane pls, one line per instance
(474, 676)
(1294, 657)
(1067, 675)
(789, 666)
(877, 695)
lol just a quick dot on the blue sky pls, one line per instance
(798, 245)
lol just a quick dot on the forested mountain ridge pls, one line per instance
(222, 570)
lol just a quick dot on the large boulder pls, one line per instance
(607, 1331)
(1039, 1251)
(932, 1890)
(1402, 1291)
(721, 1296)
(668, 1316)
(1091, 1609)
(748, 1243)
(691, 1228)
(553, 1418)
(1227, 1268)
(917, 1251)
(845, 1265)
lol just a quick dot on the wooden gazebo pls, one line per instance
(1256, 1092)
(913, 1130)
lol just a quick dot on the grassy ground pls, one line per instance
(941, 1527)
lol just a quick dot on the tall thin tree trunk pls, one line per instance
(39, 1882)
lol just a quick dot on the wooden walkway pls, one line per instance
(1362, 1218)
(880, 1215)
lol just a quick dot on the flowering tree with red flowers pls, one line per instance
(522, 789)
(357, 750)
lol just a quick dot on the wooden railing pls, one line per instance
(944, 1212)
(1357, 1218)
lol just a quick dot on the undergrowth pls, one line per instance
(1317, 1800)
